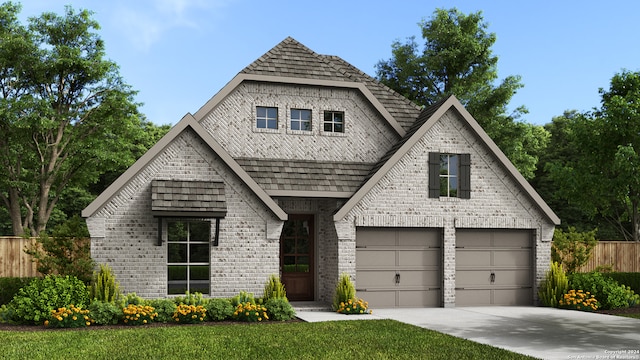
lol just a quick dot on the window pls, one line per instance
(449, 175)
(300, 119)
(266, 117)
(334, 121)
(188, 256)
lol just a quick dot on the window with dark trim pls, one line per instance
(449, 175)
(188, 254)
(334, 121)
(301, 119)
(266, 117)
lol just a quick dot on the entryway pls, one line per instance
(297, 257)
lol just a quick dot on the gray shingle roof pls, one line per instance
(188, 198)
(303, 175)
(292, 59)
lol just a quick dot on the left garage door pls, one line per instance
(399, 267)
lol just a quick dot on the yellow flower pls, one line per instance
(46, 323)
(88, 323)
(75, 318)
(144, 321)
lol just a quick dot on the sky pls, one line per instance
(179, 53)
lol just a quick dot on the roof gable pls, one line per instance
(188, 121)
(425, 121)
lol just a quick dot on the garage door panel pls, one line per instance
(419, 238)
(519, 257)
(475, 239)
(521, 277)
(419, 298)
(513, 297)
(473, 258)
(419, 278)
(375, 279)
(376, 258)
(468, 297)
(472, 278)
(419, 258)
(378, 298)
(514, 239)
(375, 237)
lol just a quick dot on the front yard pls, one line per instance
(364, 339)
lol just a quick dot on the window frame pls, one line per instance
(449, 172)
(266, 118)
(332, 122)
(300, 121)
(190, 285)
(463, 176)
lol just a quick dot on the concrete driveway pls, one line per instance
(544, 333)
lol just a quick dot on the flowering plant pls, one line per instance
(579, 300)
(189, 314)
(138, 314)
(354, 306)
(250, 312)
(69, 317)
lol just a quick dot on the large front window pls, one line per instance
(188, 256)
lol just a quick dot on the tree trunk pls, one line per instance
(636, 221)
(14, 212)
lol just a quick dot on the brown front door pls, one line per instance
(296, 257)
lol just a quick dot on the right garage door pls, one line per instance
(494, 267)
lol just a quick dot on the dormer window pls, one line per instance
(301, 119)
(266, 117)
(334, 121)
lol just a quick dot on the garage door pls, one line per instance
(494, 267)
(399, 267)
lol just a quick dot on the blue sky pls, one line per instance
(179, 53)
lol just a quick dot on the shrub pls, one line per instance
(578, 300)
(104, 286)
(65, 252)
(274, 289)
(34, 302)
(631, 279)
(241, 298)
(104, 313)
(164, 308)
(345, 291)
(250, 312)
(279, 309)
(191, 299)
(554, 286)
(138, 314)
(609, 293)
(71, 317)
(572, 249)
(9, 286)
(354, 306)
(131, 299)
(7, 314)
(189, 314)
(219, 309)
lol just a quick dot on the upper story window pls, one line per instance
(301, 119)
(266, 117)
(334, 121)
(449, 175)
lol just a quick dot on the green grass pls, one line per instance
(635, 316)
(363, 339)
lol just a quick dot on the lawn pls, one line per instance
(364, 339)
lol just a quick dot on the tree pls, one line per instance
(604, 180)
(457, 60)
(573, 249)
(65, 112)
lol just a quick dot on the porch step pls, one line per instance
(311, 306)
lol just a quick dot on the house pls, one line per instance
(306, 167)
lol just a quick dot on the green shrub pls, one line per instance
(242, 298)
(7, 314)
(9, 286)
(572, 249)
(131, 299)
(104, 286)
(609, 293)
(274, 289)
(104, 313)
(345, 291)
(164, 307)
(219, 309)
(34, 302)
(631, 279)
(191, 299)
(554, 286)
(279, 309)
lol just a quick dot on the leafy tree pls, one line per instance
(457, 60)
(572, 249)
(65, 112)
(604, 178)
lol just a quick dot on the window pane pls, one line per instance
(272, 113)
(261, 124)
(261, 112)
(453, 186)
(305, 114)
(199, 253)
(444, 186)
(178, 272)
(444, 164)
(272, 124)
(200, 231)
(306, 126)
(328, 116)
(295, 114)
(177, 231)
(289, 246)
(339, 128)
(337, 117)
(453, 164)
(295, 125)
(303, 246)
(303, 264)
(328, 127)
(177, 253)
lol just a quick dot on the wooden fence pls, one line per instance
(623, 256)
(14, 262)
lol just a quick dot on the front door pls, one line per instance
(296, 257)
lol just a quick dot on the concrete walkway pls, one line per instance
(544, 333)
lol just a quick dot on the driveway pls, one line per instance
(536, 331)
